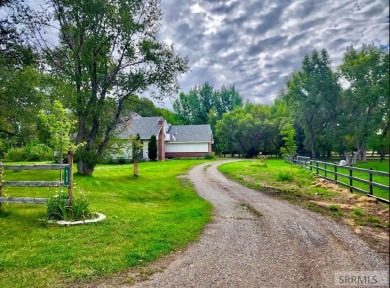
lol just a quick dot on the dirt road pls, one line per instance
(257, 241)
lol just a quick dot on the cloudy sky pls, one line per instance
(256, 44)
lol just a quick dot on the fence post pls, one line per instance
(350, 181)
(311, 167)
(317, 167)
(370, 181)
(325, 169)
(1, 179)
(70, 187)
(335, 173)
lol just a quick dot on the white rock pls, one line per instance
(343, 163)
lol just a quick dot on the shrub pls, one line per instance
(152, 148)
(284, 176)
(334, 208)
(58, 208)
(373, 219)
(38, 152)
(31, 152)
(15, 154)
(358, 212)
(209, 156)
(121, 160)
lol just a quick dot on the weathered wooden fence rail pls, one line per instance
(67, 181)
(332, 172)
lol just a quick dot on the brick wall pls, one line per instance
(161, 141)
(184, 154)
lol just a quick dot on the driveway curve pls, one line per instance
(255, 240)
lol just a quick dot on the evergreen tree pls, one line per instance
(152, 148)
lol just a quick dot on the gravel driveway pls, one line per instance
(257, 241)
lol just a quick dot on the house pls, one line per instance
(173, 141)
(188, 141)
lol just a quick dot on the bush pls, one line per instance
(38, 152)
(334, 208)
(58, 208)
(209, 156)
(15, 154)
(152, 148)
(31, 152)
(121, 160)
(3, 147)
(284, 176)
(358, 212)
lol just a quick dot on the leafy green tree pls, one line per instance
(288, 135)
(20, 103)
(15, 51)
(168, 115)
(142, 106)
(227, 128)
(203, 104)
(193, 108)
(225, 100)
(152, 148)
(250, 130)
(365, 103)
(313, 95)
(108, 50)
(60, 126)
(19, 96)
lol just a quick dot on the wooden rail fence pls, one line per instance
(331, 172)
(66, 181)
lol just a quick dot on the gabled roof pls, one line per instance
(145, 126)
(190, 133)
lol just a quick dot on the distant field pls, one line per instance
(375, 165)
(147, 217)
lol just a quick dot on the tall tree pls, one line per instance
(193, 108)
(313, 94)
(227, 128)
(251, 130)
(152, 148)
(19, 96)
(289, 148)
(366, 100)
(108, 50)
(203, 104)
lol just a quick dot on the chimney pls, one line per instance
(161, 141)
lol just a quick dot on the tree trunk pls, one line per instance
(135, 165)
(85, 169)
(364, 156)
(348, 157)
(382, 153)
(356, 156)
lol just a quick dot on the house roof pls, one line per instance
(145, 126)
(190, 133)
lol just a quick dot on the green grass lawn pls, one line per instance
(147, 217)
(375, 165)
(276, 175)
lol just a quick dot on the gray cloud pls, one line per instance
(256, 44)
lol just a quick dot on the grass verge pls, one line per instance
(147, 217)
(300, 186)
